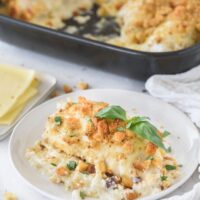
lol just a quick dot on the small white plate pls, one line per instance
(46, 86)
(184, 139)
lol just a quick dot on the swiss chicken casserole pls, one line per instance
(96, 151)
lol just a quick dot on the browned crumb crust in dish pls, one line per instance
(47, 13)
(146, 25)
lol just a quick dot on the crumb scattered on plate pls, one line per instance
(67, 88)
(54, 94)
(82, 85)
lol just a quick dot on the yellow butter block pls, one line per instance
(9, 117)
(13, 83)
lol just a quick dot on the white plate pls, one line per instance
(46, 86)
(184, 139)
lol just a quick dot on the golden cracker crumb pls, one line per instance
(132, 195)
(54, 94)
(67, 88)
(82, 85)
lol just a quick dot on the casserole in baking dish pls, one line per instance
(94, 53)
(147, 25)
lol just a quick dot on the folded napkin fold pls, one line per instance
(183, 91)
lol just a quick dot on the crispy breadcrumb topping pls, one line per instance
(146, 25)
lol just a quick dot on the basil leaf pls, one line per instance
(112, 112)
(170, 167)
(135, 120)
(143, 128)
(71, 165)
(53, 164)
(58, 120)
(165, 134)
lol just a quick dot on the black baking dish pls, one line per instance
(96, 54)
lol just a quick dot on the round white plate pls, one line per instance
(184, 138)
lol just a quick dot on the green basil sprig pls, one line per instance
(143, 128)
(139, 125)
(136, 120)
(112, 112)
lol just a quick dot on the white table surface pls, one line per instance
(66, 73)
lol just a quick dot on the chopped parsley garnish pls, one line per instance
(163, 178)
(121, 129)
(170, 167)
(73, 135)
(83, 195)
(88, 119)
(165, 134)
(58, 120)
(71, 165)
(53, 164)
(112, 112)
(150, 158)
(169, 149)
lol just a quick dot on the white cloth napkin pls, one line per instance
(183, 91)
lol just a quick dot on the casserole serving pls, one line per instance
(88, 157)
(95, 150)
